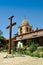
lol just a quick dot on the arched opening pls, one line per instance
(20, 30)
(26, 29)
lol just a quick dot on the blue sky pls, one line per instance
(31, 9)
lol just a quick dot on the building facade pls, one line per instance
(26, 32)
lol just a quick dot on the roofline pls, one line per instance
(26, 33)
(26, 39)
(31, 32)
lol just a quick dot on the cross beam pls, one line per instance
(10, 27)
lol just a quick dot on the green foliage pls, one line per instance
(12, 52)
(26, 42)
(41, 55)
(26, 50)
(36, 55)
(41, 48)
(1, 32)
(5, 50)
(32, 47)
(20, 50)
(2, 42)
(35, 40)
(27, 53)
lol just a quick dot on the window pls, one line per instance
(20, 30)
(26, 29)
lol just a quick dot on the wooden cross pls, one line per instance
(10, 27)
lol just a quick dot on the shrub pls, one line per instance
(41, 55)
(41, 48)
(28, 53)
(20, 50)
(12, 52)
(5, 50)
(32, 47)
(36, 55)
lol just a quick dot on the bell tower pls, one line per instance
(24, 27)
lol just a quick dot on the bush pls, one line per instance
(36, 55)
(41, 48)
(28, 53)
(41, 55)
(20, 50)
(12, 51)
(32, 47)
(5, 50)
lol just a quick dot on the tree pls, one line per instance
(2, 40)
(1, 32)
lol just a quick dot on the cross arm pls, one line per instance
(11, 25)
(11, 17)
